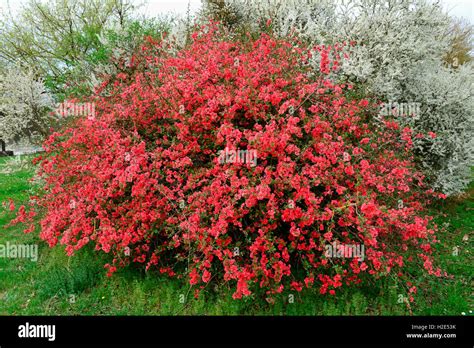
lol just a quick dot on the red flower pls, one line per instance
(206, 277)
(369, 210)
(11, 205)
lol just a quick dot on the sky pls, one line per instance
(457, 8)
(176, 6)
(460, 8)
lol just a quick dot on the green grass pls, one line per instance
(59, 285)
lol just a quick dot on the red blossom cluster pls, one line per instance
(142, 179)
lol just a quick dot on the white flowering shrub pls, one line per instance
(396, 56)
(25, 106)
(447, 108)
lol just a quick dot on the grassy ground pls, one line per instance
(58, 285)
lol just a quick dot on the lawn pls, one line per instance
(59, 285)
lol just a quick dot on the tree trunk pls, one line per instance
(4, 151)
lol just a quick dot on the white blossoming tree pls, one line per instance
(25, 106)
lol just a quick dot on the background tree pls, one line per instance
(223, 12)
(461, 48)
(25, 105)
(60, 38)
(67, 47)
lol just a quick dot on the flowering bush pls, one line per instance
(154, 178)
